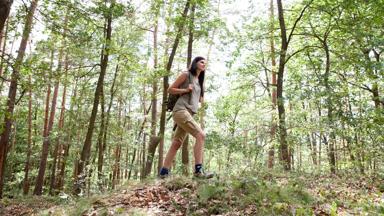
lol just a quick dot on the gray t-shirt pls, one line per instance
(189, 101)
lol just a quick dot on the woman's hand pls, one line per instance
(190, 88)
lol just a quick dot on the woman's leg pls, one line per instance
(176, 143)
(178, 138)
(199, 146)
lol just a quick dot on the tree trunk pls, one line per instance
(155, 82)
(141, 132)
(60, 147)
(271, 152)
(66, 145)
(153, 141)
(61, 118)
(285, 159)
(142, 162)
(29, 151)
(184, 149)
(313, 148)
(185, 156)
(180, 28)
(129, 128)
(12, 92)
(100, 146)
(375, 86)
(5, 8)
(102, 140)
(116, 166)
(3, 39)
(85, 153)
(47, 139)
(331, 152)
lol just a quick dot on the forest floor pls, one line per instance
(257, 194)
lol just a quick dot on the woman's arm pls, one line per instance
(174, 87)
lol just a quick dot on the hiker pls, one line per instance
(189, 85)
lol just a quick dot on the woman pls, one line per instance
(189, 85)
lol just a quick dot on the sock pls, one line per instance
(164, 171)
(198, 168)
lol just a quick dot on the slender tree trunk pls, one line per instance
(100, 145)
(61, 152)
(153, 141)
(47, 139)
(141, 132)
(320, 135)
(85, 153)
(280, 100)
(115, 175)
(271, 152)
(129, 129)
(3, 39)
(132, 163)
(375, 86)
(61, 118)
(67, 140)
(284, 152)
(102, 139)
(184, 149)
(331, 147)
(48, 97)
(313, 148)
(211, 42)
(29, 151)
(190, 34)
(180, 28)
(143, 155)
(12, 92)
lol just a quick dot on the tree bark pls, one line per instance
(285, 159)
(100, 145)
(116, 166)
(180, 28)
(102, 140)
(271, 152)
(5, 8)
(3, 42)
(184, 148)
(284, 152)
(52, 185)
(66, 146)
(29, 151)
(47, 139)
(138, 137)
(12, 92)
(86, 151)
(153, 143)
(331, 147)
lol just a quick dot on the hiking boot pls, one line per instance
(164, 176)
(203, 175)
(164, 173)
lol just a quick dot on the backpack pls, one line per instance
(172, 99)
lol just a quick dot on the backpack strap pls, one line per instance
(189, 82)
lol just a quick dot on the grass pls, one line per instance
(262, 193)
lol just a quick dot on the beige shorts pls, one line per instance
(185, 124)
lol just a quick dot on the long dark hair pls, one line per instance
(193, 71)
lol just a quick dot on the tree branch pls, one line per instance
(297, 21)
